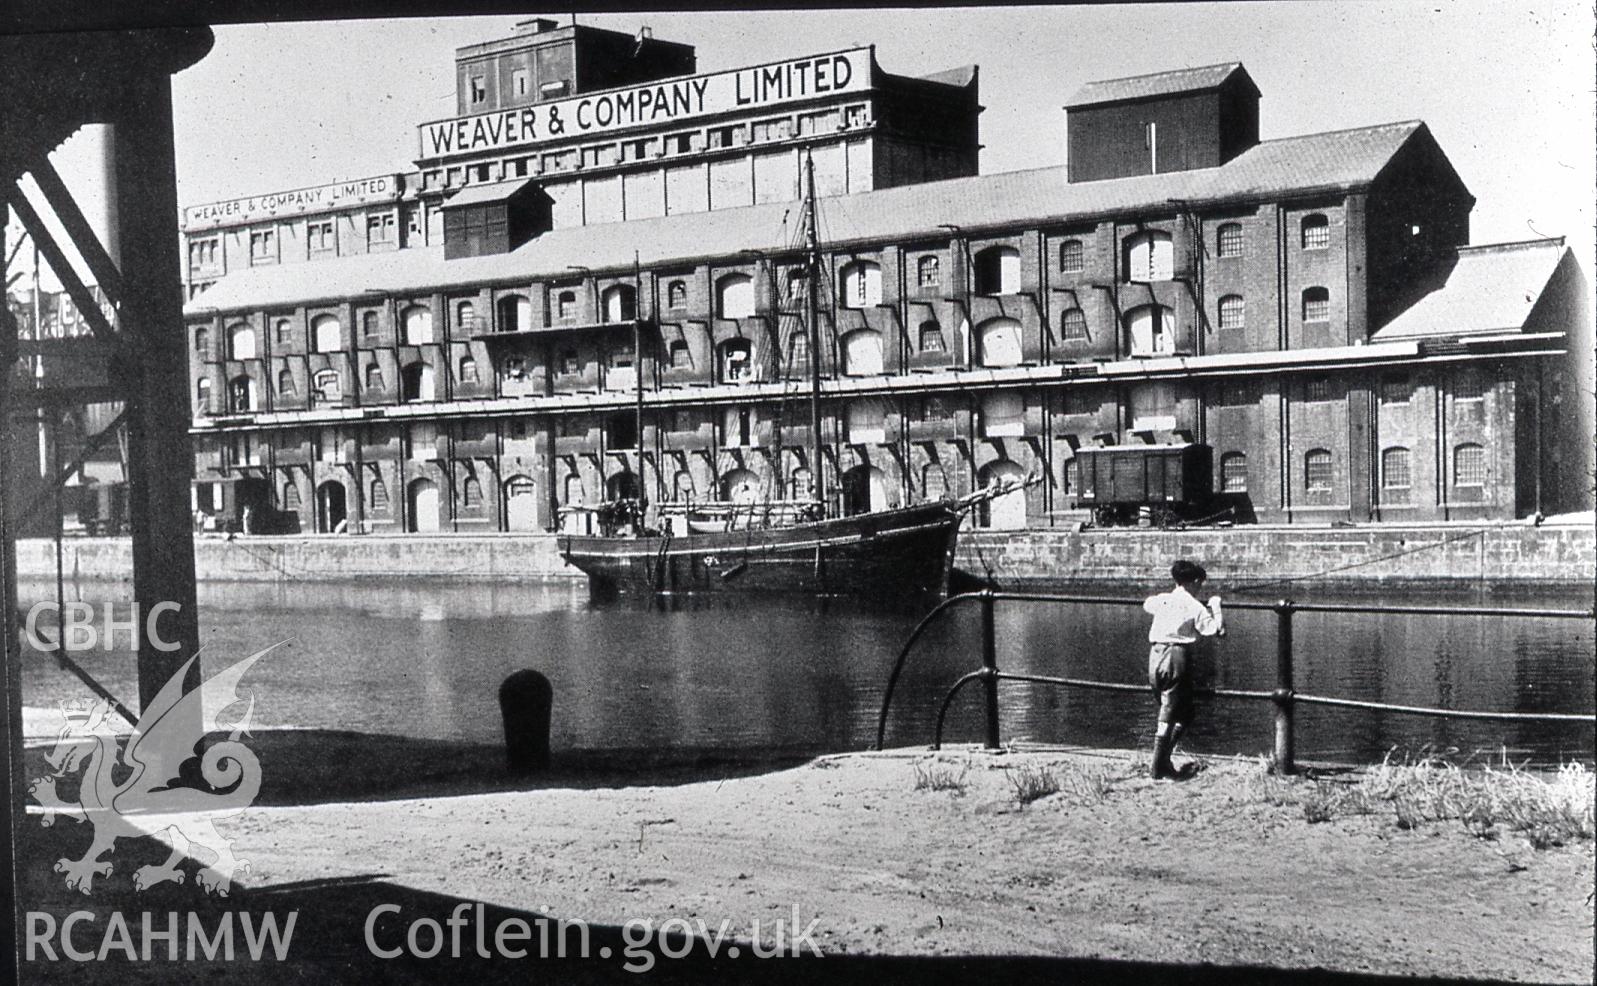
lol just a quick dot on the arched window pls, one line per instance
(468, 370)
(1316, 305)
(285, 332)
(466, 316)
(1150, 256)
(862, 284)
(998, 270)
(682, 485)
(866, 422)
(1072, 258)
(1231, 312)
(1317, 470)
(1395, 468)
(327, 333)
(1000, 342)
(416, 382)
(241, 394)
(471, 493)
(291, 499)
(681, 357)
(734, 363)
(374, 377)
(202, 343)
(202, 395)
(620, 303)
(418, 325)
(285, 383)
(1003, 415)
(241, 341)
(1228, 240)
(734, 296)
(931, 337)
(1233, 473)
(929, 272)
(676, 295)
(1073, 325)
(1316, 232)
(378, 499)
(1469, 465)
(515, 313)
(862, 353)
(328, 388)
(565, 307)
(1150, 330)
(370, 326)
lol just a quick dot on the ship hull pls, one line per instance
(892, 554)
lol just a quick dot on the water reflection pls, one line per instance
(802, 676)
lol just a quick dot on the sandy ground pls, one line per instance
(1115, 877)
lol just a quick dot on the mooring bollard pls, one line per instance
(525, 701)
(1284, 761)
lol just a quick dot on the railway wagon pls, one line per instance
(1161, 485)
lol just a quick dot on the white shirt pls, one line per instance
(1178, 618)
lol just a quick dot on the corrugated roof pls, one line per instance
(1491, 289)
(1155, 84)
(1339, 159)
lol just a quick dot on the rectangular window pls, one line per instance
(202, 253)
(1469, 386)
(1317, 470)
(1394, 390)
(1317, 389)
(520, 82)
(1230, 240)
(1236, 393)
(380, 229)
(1469, 465)
(479, 90)
(319, 234)
(263, 245)
(1395, 469)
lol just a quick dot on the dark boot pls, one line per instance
(1161, 769)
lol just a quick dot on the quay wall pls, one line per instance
(1443, 554)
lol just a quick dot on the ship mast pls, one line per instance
(811, 322)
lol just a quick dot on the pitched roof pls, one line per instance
(481, 194)
(1490, 289)
(1329, 160)
(1157, 84)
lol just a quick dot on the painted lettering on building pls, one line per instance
(670, 101)
(278, 205)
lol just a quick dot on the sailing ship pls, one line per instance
(788, 546)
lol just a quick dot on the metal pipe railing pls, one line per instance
(1284, 696)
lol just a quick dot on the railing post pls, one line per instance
(989, 663)
(1284, 760)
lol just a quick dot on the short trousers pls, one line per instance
(1171, 684)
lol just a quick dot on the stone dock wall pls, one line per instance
(1442, 554)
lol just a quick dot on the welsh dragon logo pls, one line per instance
(143, 783)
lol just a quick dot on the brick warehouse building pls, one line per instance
(452, 348)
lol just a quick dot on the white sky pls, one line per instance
(1506, 88)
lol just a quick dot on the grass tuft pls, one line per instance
(1548, 808)
(1032, 782)
(936, 776)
